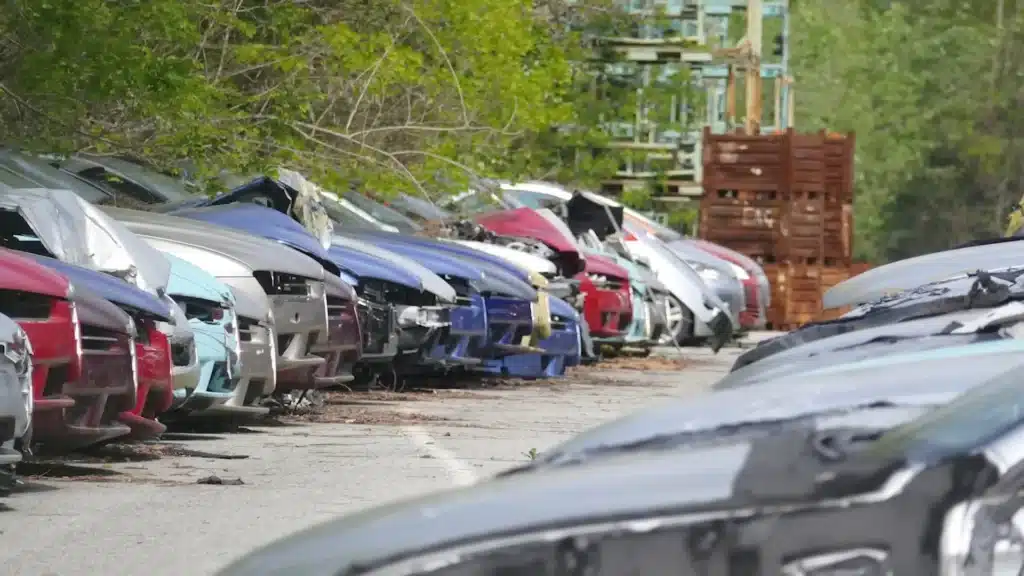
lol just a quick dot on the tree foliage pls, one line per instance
(932, 89)
(389, 93)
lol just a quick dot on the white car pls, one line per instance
(693, 308)
(15, 389)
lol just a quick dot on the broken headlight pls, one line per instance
(859, 561)
(426, 316)
(983, 538)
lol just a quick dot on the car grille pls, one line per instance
(377, 322)
(384, 292)
(463, 291)
(219, 380)
(107, 359)
(199, 309)
(279, 284)
(336, 308)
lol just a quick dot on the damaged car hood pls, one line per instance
(528, 262)
(114, 290)
(77, 232)
(424, 278)
(256, 252)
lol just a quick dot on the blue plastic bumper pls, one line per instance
(467, 335)
(561, 349)
(509, 326)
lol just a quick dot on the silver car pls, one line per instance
(263, 275)
(15, 389)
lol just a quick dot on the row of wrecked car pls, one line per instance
(129, 298)
(887, 441)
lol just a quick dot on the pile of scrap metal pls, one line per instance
(138, 300)
(887, 441)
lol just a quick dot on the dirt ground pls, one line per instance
(201, 497)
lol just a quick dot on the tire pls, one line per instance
(680, 322)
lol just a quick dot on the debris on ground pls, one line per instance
(218, 481)
(355, 408)
(642, 363)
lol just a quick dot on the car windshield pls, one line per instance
(418, 208)
(972, 420)
(383, 213)
(337, 211)
(475, 202)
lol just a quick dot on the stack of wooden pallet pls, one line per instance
(785, 200)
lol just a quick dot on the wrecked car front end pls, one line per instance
(209, 309)
(253, 314)
(511, 304)
(558, 351)
(15, 396)
(73, 384)
(149, 354)
(291, 282)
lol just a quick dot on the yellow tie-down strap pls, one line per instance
(541, 310)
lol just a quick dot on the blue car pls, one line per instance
(560, 350)
(210, 308)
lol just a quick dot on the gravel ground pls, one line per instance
(158, 509)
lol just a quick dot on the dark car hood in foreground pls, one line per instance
(644, 485)
(915, 379)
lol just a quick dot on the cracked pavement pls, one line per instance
(152, 516)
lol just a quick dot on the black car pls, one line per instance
(853, 494)
(930, 333)
(978, 290)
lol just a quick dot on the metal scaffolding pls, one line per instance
(690, 35)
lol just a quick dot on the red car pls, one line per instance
(607, 306)
(151, 352)
(83, 372)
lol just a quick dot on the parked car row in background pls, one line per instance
(129, 298)
(887, 441)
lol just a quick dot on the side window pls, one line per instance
(16, 234)
(125, 192)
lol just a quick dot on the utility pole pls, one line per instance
(753, 65)
(787, 79)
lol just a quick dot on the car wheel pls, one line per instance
(679, 319)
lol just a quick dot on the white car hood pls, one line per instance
(528, 262)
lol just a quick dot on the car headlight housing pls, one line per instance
(981, 537)
(739, 271)
(706, 272)
(859, 561)
(425, 316)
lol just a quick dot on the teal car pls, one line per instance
(209, 306)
